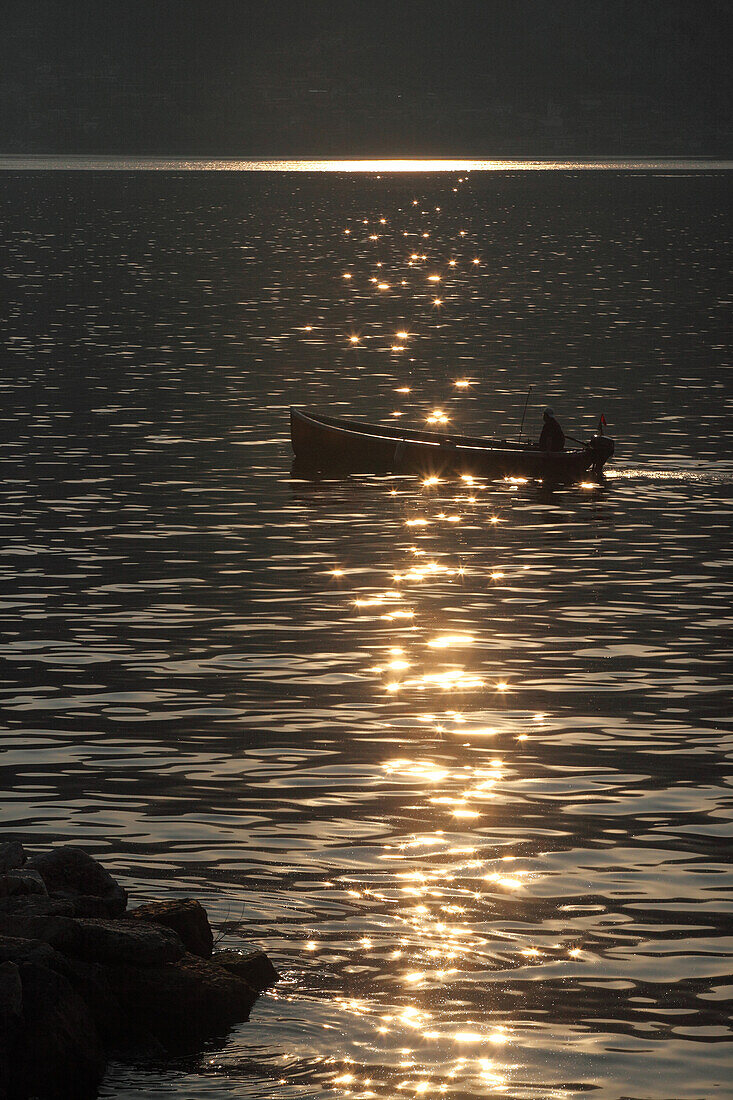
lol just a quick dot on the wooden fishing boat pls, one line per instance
(331, 444)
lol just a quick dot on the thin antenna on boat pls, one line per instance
(521, 426)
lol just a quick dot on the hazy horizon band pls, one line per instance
(108, 162)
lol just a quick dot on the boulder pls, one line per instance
(32, 926)
(131, 942)
(56, 1053)
(11, 1010)
(20, 883)
(17, 950)
(134, 942)
(182, 1002)
(83, 905)
(251, 964)
(119, 1031)
(11, 995)
(11, 855)
(186, 917)
(68, 905)
(81, 980)
(37, 905)
(71, 872)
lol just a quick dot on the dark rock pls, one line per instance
(71, 872)
(37, 905)
(31, 926)
(183, 1001)
(134, 942)
(11, 855)
(83, 905)
(22, 882)
(68, 905)
(131, 942)
(57, 1053)
(119, 1031)
(11, 1009)
(11, 995)
(252, 964)
(17, 949)
(185, 916)
(79, 980)
(122, 1032)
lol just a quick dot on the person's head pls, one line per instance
(548, 414)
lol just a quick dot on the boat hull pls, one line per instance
(329, 444)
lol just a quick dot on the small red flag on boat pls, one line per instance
(603, 419)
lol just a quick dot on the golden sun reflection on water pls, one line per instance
(430, 922)
(423, 922)
(447, 641)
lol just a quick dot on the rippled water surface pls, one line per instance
(457, 754)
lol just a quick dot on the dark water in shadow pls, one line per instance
(457, 754)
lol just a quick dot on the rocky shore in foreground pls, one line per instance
(83, 978)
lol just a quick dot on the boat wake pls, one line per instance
(705, 476)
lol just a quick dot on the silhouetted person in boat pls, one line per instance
(552, 437)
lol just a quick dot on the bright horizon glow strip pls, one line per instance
(111, 162)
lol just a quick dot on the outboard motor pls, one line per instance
(601, 448)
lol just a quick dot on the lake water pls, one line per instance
(457, 755)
